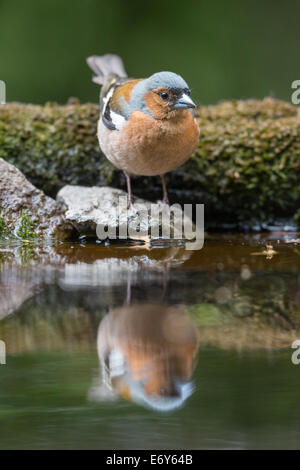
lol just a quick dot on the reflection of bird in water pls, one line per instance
(147, 354)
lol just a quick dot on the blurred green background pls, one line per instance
(224, 50)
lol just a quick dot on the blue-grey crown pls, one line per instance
(166, 80)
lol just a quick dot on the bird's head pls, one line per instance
(162, 95)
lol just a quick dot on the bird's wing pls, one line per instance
(114, 102)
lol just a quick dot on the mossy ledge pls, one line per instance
(246, 167)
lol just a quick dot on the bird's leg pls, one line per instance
(130, 199)
(165, 192)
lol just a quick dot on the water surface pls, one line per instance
(133, 346)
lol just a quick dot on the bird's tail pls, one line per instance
(106, 67)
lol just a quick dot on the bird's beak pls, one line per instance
(184, 102)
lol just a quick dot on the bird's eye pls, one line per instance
(164, 95)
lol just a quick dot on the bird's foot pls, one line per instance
(130, 203)
(164, 202)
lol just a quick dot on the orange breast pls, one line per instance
(147, 146)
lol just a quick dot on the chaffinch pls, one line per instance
(146, 126)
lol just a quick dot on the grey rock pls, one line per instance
(102, 211)
(18, 197)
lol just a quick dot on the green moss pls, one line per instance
(52, 145)
(246, 167)
(26, 228)
(4, 230)
(250, 164)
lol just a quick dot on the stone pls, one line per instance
(26, 212)
(102, 212)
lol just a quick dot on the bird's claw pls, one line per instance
(130, 204)
(164, 202)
